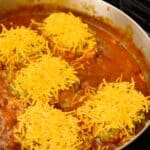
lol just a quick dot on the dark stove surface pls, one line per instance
(142, 143)
(138, 10)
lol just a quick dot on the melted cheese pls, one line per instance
(41, 127)
(115, 106)
(20, 45)
(42, 80)
(68, 33)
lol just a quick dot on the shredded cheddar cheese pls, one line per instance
(115, 107)
(19, 44)
(68, 33)
(41, 80)
(42, 127)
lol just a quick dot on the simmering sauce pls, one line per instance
(110, 62)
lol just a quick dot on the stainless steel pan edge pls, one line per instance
(97, 8)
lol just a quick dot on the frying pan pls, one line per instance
(98, 8)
